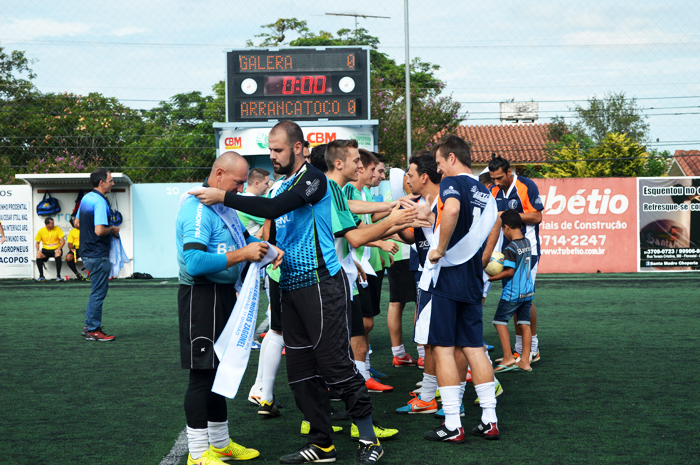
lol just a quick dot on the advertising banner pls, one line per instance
(588, 225)
(669, 224)
(254, 141)
(15, 216)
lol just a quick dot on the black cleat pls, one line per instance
(442, 434)
(369, 452)
(310, 453)
(268, 409)
(486, 430)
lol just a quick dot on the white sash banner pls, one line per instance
(396, 176)
(233, 346)
(348, 264)
(463, 250)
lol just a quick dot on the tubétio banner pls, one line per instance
(589, 225)
(669, 224)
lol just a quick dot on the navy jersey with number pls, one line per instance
(462, 282)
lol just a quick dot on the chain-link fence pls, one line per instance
(136, 86)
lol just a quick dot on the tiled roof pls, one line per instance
(516, 143)
(689, 161)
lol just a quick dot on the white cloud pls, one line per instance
(30, 29)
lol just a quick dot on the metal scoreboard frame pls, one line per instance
(304, 84)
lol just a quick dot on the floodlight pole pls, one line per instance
(408, 85)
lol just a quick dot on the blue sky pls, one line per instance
(551, 52)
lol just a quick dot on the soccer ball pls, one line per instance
(495, 265)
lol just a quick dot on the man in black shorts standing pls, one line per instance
(315, 296)
(208, 254)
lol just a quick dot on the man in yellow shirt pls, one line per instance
(73, 245)
(53, 240)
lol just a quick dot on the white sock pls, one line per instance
(450, 405)
(427, 392)
(197, 441)
(421, 351)
(361, 368)
(271, 363)
(367, 365)
(218, 433)
(519, 344)
(399, 351)
(535, 343)
(487, 401)
(462, 387)
(259, 375)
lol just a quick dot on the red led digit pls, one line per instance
(307, 80)
(351, 61)
(351, 107)
(320, 85)
(288, 85)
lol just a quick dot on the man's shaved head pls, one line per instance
(228, 160)
(229, 172)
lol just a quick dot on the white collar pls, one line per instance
(512, 185)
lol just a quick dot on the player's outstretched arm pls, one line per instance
(491, 242)
(259, 206)
(368, 233)
(361, 207)
(506, 273)
(532, 218)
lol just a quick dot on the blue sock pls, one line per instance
(365, 427)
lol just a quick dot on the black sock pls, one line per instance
(71, 265)
(40, 265)
(58, 267)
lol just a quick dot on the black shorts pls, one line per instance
(50, 253)
(402, 282)
(361, 303)
(203, 311)
(275, 306)
(375, 293)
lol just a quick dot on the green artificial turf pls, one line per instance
(616, 383)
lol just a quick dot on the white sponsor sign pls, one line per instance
(15, 215)
(254, 141)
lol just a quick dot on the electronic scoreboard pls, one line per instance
(301, 84)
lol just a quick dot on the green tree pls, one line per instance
(612, 113)
(430, 111)
(617, 155)
(12, 67)
(15, 88)
(176, 142)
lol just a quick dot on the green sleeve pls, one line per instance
(404, 249)
(375, 256)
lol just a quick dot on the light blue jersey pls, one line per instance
(200, 228)
(520, 287)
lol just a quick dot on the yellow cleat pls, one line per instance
(306, 428)
(381, 433)
(231, 452)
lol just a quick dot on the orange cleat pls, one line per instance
(375, 386)
(404, 361)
